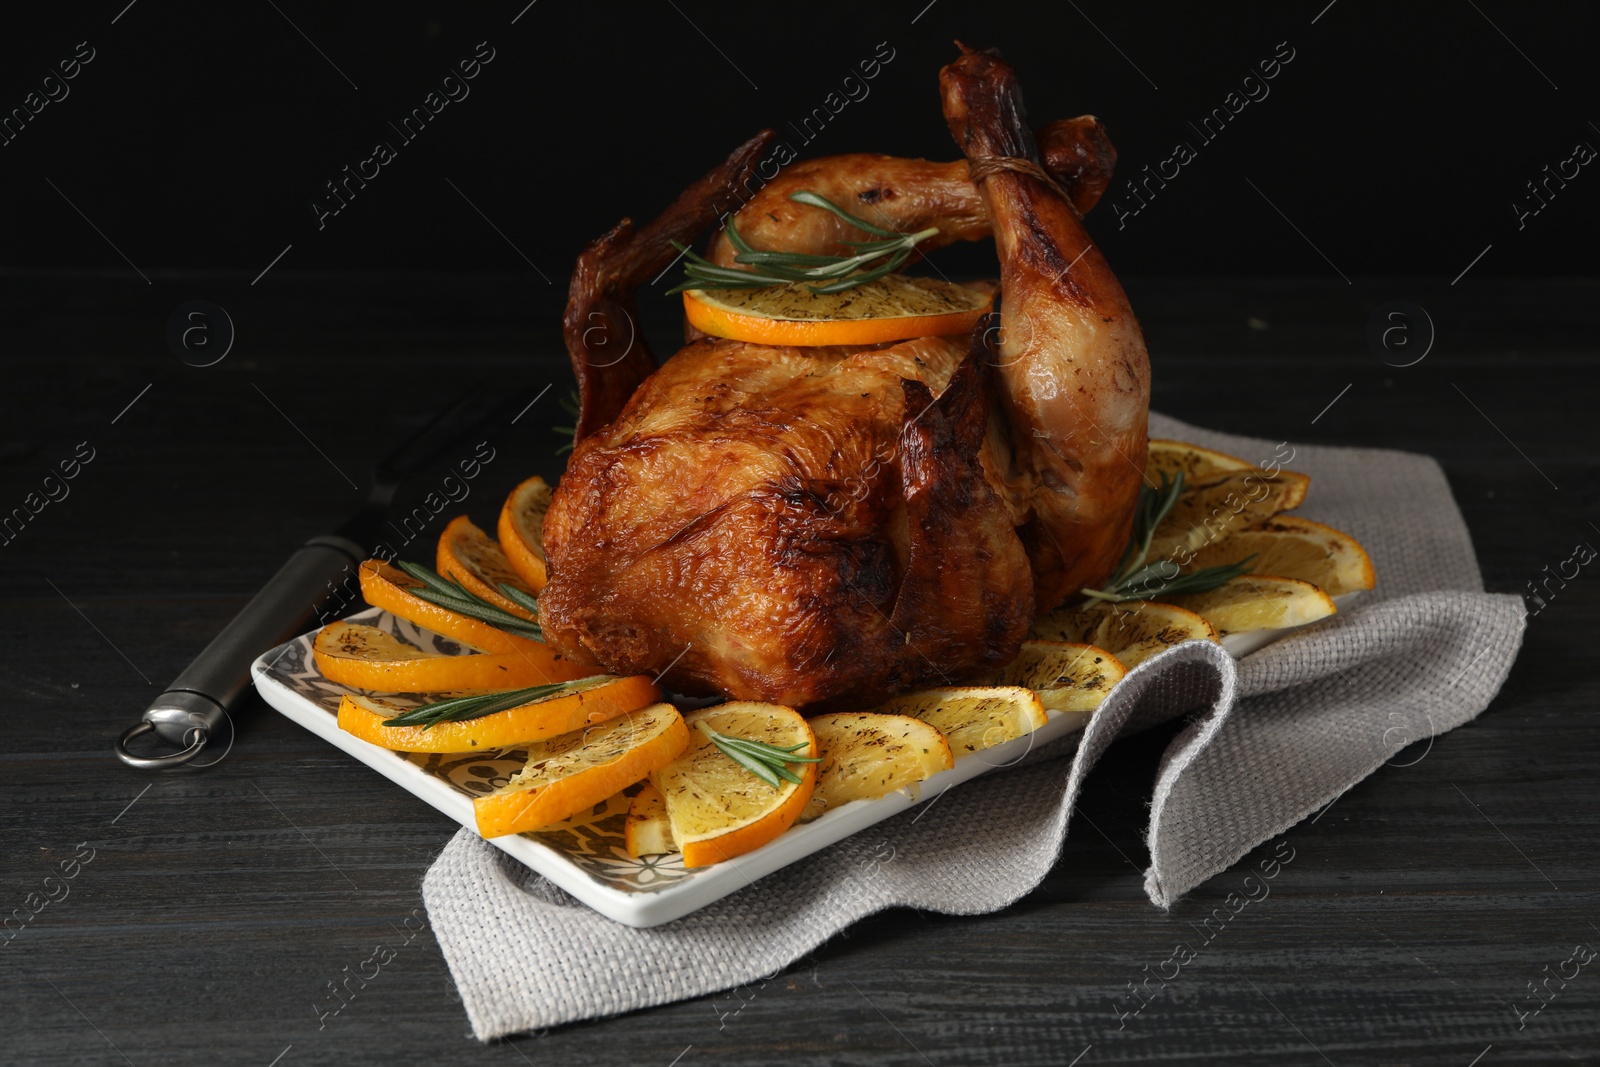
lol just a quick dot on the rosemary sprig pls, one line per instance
(460, 709)
(449, 593)
(519, 597)
(767, 762)
(1137, 580)
(872, 259)
(570, 406)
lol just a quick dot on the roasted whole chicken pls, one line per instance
(823, 525)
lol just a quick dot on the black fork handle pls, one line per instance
(189, 713)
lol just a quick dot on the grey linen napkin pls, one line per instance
(1272, 738)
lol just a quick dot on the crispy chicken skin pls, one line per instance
(791, 525)
(601, 324)
(824, 525)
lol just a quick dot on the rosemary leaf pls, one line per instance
(757, 760)
(1137, 580)
(571, 404)
(486, 613)
(755, 767)
(481, 610)
(461, 709)
(429, 576)
(871, 261)
(810, 199)
(767, 762)
(788, 258)
(1210, 578)
(519, 597)
(453, 595)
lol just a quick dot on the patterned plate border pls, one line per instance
(586, 855)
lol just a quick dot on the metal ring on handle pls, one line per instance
(171, 759)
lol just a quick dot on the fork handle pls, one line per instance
(191, 709)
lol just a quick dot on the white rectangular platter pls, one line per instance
(585, 855)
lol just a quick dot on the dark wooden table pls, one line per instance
(217, 905)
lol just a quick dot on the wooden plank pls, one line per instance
(218, 907)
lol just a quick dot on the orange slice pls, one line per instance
(1132, 631)
(718, 808)
(1214, 506)
(521, 531)
(577, 770)
(390, 588)
(891, 308)
(1292, 547)
(1258, 602)
(475, 559)
(866, 755)
(1222, 495)
(972, 718)
(365, 657)
(1068, 677)
(648, 830)
(1173, 457)
(574, 706)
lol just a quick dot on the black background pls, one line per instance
(1396, 140)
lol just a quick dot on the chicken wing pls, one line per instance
(908, 195)
(601, 324)
(608, 352)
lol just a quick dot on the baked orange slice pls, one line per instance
(1164, 456)
(1291, 547)
(1222, 495)
(648, 830)
(1213, 507)
(571, 707)
(866, 755)
(972, 718)
(388, 587)
(717, 807)
(473, 558)
(365, 657)
(1132, 631)
(1258, 602)
(577, 770)
(892, 308)
(1067, 676)
(521, 531)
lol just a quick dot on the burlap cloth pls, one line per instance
(1272, 738)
